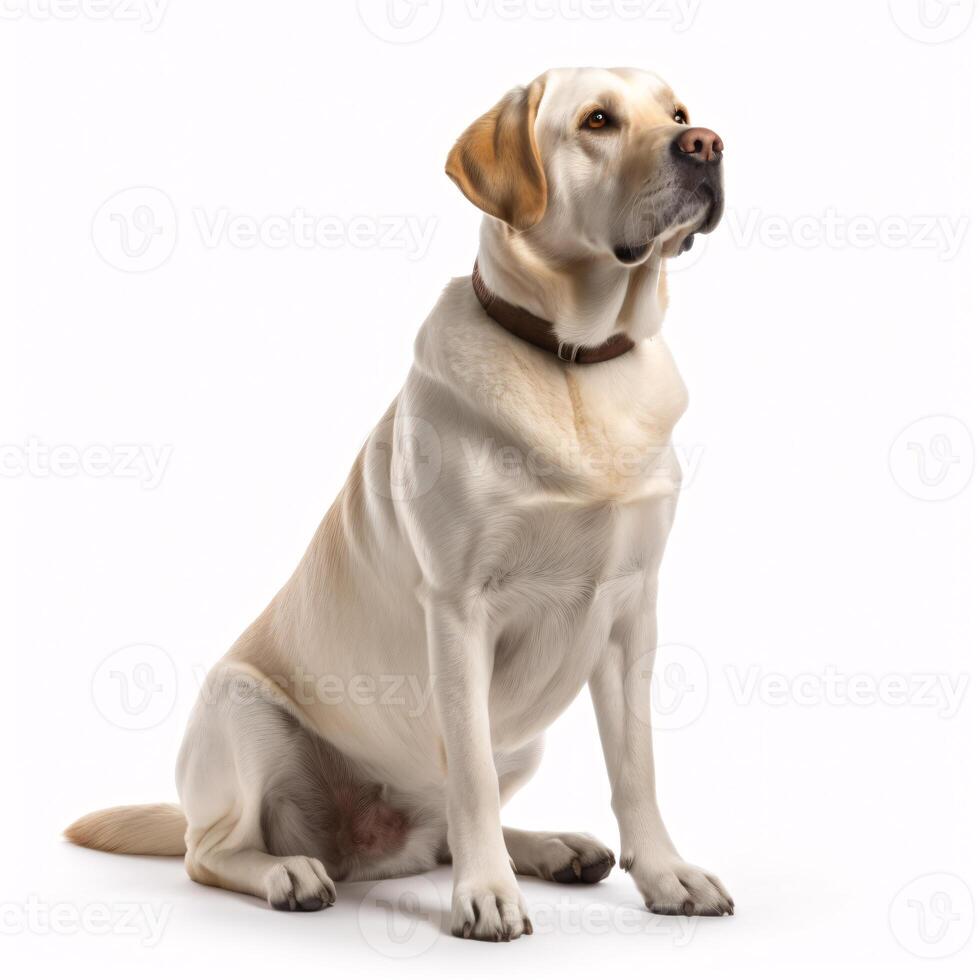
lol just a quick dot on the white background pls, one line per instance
(819, 543)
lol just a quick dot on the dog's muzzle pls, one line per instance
(698, 155)
(697, 194)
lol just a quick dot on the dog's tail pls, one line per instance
(153, 828)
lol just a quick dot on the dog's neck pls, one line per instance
(586, 301)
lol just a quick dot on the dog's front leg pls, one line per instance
(487, 903)
(620, 689)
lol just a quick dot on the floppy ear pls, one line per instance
(496, 162)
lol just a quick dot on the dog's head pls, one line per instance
(594, 164)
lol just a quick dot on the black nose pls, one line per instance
(699, 145)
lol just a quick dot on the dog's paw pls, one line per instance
(568, 859)
(677, 888)
(299, 884)
(492, 912)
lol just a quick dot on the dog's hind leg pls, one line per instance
(242, 736)
(289, 884)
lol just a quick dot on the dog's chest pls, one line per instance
(573, 519)
(565, 484)
(570, 578)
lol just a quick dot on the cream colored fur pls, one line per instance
(500, 588)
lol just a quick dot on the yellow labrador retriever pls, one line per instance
(496, 547)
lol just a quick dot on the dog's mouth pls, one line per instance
(707, 197)
(716, 205)
(631, 254)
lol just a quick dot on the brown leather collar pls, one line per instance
(532, 329)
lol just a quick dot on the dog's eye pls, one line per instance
(680, 116)
(598, 119)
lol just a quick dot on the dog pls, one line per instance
(495, 548)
